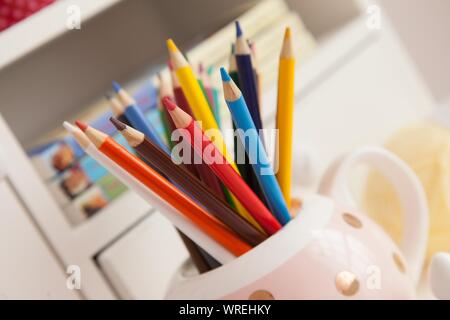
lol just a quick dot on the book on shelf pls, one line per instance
(80, 185)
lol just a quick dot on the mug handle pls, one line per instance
(407, 186)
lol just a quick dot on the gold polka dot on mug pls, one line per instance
(261, 295)
(352, 220)
(399, 262)
(347, 283)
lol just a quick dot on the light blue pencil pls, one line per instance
(255, 148)
(137, 119)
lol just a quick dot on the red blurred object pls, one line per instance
(13, 11)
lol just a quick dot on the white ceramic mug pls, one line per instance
(329, 251)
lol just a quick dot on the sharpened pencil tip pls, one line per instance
(68, 126)
(224, 74)
(169, 104)
(287, 33)
(83, 126)
(116, 86)
(201, 68)
(238, 29)
(118, 124)
(170, 64)
(171, 45)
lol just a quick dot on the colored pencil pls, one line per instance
(257, 154)
(165, 89)
(203, 171)
(178, 220)
(205, 84)
(197, 254)
(196, 98)
(222, 168)
(117, 108)
(239, 151)
(136, 118)
(216, 96)
(247, 81)
(285, 115)
(232, 65)
(179, 175)
(256, 71)
(202, 112)
(202, 260)
(159, 185)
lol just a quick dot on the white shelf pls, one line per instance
(110, 222)
(44, 26)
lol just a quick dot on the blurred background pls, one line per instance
(366, 69)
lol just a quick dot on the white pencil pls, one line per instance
(205, 242)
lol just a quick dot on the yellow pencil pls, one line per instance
(285, 113)
(202, 112)
(194, 95)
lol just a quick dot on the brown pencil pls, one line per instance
(200, 258)
(216, 206)
(196, 255)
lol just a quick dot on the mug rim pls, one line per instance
(314, 214)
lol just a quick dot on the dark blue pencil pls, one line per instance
(247, 80)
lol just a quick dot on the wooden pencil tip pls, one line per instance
(118, 124)
(287, 33)
(83, 126)
(169, 104)
(171, 45)
(201, 68)
(170, 64)
(238, 29)
(116, 86)
(68, 126)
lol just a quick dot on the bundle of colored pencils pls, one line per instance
(222, 210)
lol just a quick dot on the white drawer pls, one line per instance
(141, 264)
(28, 268)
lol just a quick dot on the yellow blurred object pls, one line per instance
(426, 148)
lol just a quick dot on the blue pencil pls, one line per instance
(247, 80)
(255, 149)
(137, 119)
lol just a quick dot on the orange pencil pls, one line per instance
(166, 191)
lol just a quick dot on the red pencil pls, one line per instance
(204, 172)
(165, 190)
(222, 168)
